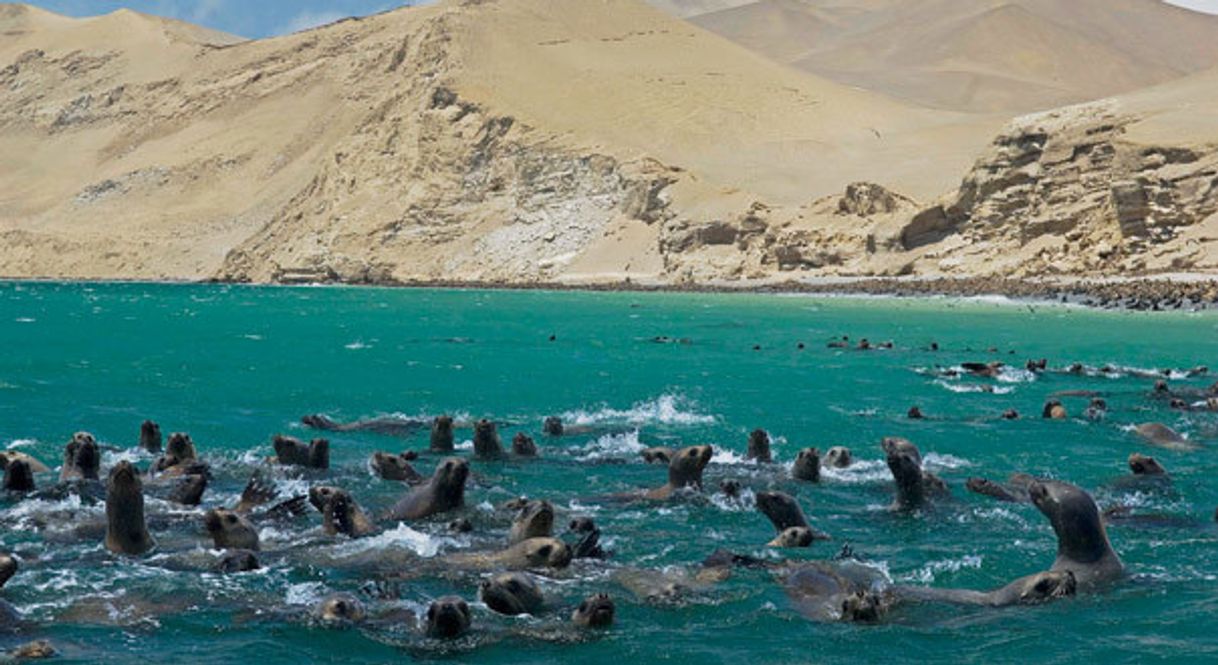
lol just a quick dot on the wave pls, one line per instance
(974, 387)
(611, 446)
(927, 573)
(667, 409)
(402, 537)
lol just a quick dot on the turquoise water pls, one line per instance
(234, 365)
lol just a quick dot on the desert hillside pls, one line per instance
(532, 141)
(981, 55)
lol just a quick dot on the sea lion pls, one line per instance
(1082, 541)
(18, 477)
(386, 425)
(81, 458)
(588, 546)
(126, 530)
(535, 520)
(8, 568)
(914, 485)
(237, 561)
(830, 591)
(340, 512)
(1030, 590)
(1158, 434)
(258, 491)
(36, 650)
(1010, 414)
(291, 451)
(180, 455)
(189, 490)
(784, 513)
(807, 465)
(685, 470)
(552, 426)
(461, 525)
(523, 445)
(444, 492)
(657, 455)
(1141, 465)
(987, 487)
(447, 618)
(759, 446)
(395, 467)
(512, 594)
(730, 488)
(915, 413)
(796, 536)
(527, 554)
(339, 609)
(230, 530)
(985, 370)
(442, 434)
(1097, 409)
(1053, 410)
(838, 457)
(10, 455)
(487, 444)
(596, 611)
(150, 437)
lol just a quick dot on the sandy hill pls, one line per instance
(981, 55)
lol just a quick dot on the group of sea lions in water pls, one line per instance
(831, 590)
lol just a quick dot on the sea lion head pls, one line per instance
(905, 463)
(442, 433)
(393, 467)
(238, 561)
(730, 488)
(1161, 387)
(1010, 414)
(512, 594)
(1075, 517)
(447, 618)
(596, 611)
(450, 476)
(461, 525)
(18, 476)
(915, 413)
(8, 568)
(486, 439)
(523, 445)
(1053, 410)
(839, 457)
(1047, 586)
(150, 436)
(582, 525)
(230, 530)
(795, 536)
(552, 426)
(181, 447)
(320, 496)
(1142, 465)
(781, 509)
(290, 450)
(542, 553)
(864, 607)
(657, 455)
(340, 609)
(535, 520)
(81, 454)
(124, 479)
(759, 445)
(807, 465)
(686, 466)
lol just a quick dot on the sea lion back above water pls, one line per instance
(444, 492)
(294, 452)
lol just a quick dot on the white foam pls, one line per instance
(305, 593)
(21, 443)
(927, 573)
(944, 461)
(401, 537)
(974, 387)
(667, 409)
(611, 446)
(861, 471)
(746, 502)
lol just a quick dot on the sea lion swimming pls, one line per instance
(1096, 410)
(1158, 434)
(150, 437)
(447, 618)
(838, 457)
(291, 451)
(180, 456)
(588, 546)
(685, 470)
(386, 425)
(657, 455)
(237, 561)
(595, 611)
(487, 444)
(914, 485)
(1053, 410)
(126, 530)
(81, 458)
(10, 455)
(230, 530)
(339, 609)
(1013, 492)
(827, 591)
(1082, 541)
(1141, 465)
(523, 445)
(189, 490)
(527, 554)
(535, 520)
(395, 467)
(444, 492)
(341, 513)
(1030, 590)
(784, 512)
(807, 465)
(796, 536)
(442, 434)
(18, 477)
(759, 446)
(985, 370)
(915, 413)
(512, 594)
(8, 568)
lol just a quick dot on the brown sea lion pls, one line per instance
(237, 561)
(1082, 542)
(189, 490)
(1030, 590)
(487, 444)
(291, 451)
(442, 434)
(914, 485)
(341, 513)
(657, 455)
(35, 465)
(984, 370)
(759, 446)
(838, 457)
(596, 611)
(230, 530)
(796, 536)
(807, 465)
(1141, 465)
(535, 520)
(1158, 434)
(81, 458)
(1053, 410)
(588, 546)
(386, 425)
(527, 554)
(915, 413)
(784, 512)
(339, 609)
(512, 594)
(36, 650)
(523, 445)
(126, 530)
(8, 568)
(18, 477)
(395, 467)
(685, 470)
(447, 618)
(180, 456)
(150, 437)
(444, 492)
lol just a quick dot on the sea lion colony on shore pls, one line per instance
(506, 572)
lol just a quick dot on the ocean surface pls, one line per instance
(234, 365)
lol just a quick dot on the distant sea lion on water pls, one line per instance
(150, 437)
(914, 485)
(291, 451)
(523, 445)
(81, 458)
(596, 611)
(1014, 491)
(512, 594)
(1053, 410)
(341, 513)
(915, 413)
(126, 530)
(1082, 542)
(487, 444)
(985, 370)
(588, 546)
(554, 426)
(838, 457)
(386, 425)
(442, 434)
(447, 618)
(796, 536)
(1097, 409)
(18, 477)
(759, 446)
(1141, 465)
(807, 465)
(444, 492)
(230, 530)
(395, 467)
(1158, 434)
